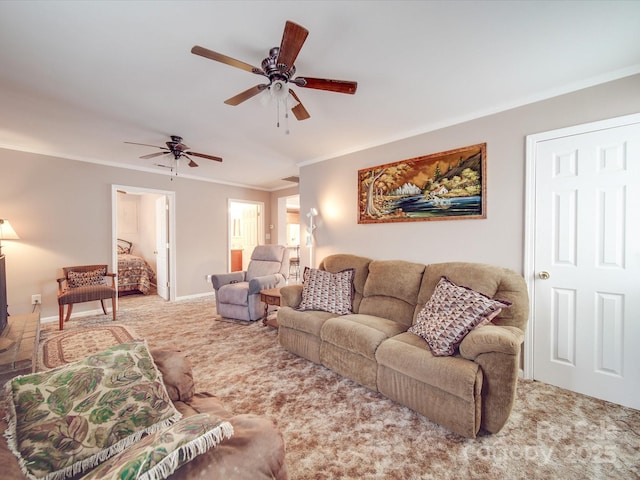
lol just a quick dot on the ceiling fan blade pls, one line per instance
(293, 38)
(299, 111)
(191, 162)
(246, 95)
(153, 155)
(144, 145)
(339, 86)
(219, 57)
(202, 155)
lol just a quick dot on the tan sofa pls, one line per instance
(255, 451)
(473, 389)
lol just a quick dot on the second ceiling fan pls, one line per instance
(279, 68)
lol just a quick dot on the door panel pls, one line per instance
(586, 313)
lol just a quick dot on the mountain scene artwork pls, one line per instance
(442, 186)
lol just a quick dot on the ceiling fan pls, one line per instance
(178, 150)
(279, 68)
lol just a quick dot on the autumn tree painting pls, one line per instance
(442, 186)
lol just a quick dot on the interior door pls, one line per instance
(246, 230)
(586, 269)
(162, 247)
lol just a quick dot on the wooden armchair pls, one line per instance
(85, 283)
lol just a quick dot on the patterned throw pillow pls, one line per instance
(160, 454)
(326, 291)
(67, 420)
(451, 313)
(84, 279)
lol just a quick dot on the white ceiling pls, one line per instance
(79, 78)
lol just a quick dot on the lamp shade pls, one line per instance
(6, 231)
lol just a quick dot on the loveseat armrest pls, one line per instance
(490, 339)
(265, 282)
(291, 296)
(220, 279)
(177, 373)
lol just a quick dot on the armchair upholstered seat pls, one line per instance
(85, 283)
(238, 293)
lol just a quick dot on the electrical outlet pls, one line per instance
(36, 299)
(207, 278)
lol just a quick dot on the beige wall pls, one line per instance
(62, 211)
(331, 186)
(62, 208)
(287, 192)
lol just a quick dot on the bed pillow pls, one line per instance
(67, 420)
(85, 279)
(161, 453)
(326, 291)
(451, 313)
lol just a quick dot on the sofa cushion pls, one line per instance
(359, 333)
(161, 453)
(305, 321)
(67, 420)
(326, 291)
(391, 290)
(451, 313)
(410, 355)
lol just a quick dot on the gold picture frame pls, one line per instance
(447, 185)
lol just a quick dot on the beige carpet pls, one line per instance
(335, 428)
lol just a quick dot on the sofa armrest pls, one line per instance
(496, 349)
(291, 296)
(265, 282)
(220, 279)
(491, 339)
(177, 374)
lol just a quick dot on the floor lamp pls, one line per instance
(312, 213)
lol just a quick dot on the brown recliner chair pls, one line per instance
(85, 283)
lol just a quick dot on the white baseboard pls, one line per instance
(98, 311)
(196, 295)
(75, 315)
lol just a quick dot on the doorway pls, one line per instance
(145, 218)
(246, 232)
(583, 259)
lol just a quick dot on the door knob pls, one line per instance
(544, 275)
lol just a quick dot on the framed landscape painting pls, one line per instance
(442, 186)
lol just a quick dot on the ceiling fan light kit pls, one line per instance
(279, 68)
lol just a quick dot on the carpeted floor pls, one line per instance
(336, 429)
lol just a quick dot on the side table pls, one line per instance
(271, 296)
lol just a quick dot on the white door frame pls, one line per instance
(530, 214)
(171, 199)
(261, 220)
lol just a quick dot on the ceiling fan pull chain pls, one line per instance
(286, 114)
(277, 114)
